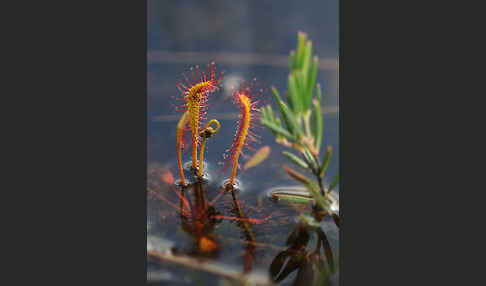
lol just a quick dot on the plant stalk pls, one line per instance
(201, 156)
(179, 163)
(194, 151)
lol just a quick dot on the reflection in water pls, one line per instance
(248, 234)
(306, 258)
(310, 266)
(201, 221)
(198, 223)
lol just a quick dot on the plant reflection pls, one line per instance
(310, 265)
(198, 219)
(198, 222)
(248, 234)
(306, 260)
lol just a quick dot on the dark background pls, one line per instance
(246, 39)
(242, 26)
(77, 80)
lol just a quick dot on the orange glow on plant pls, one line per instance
(195, 96)
(258, 157)
(167, 177)
(206, 244)
(249, 117)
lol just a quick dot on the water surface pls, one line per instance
(247, 40)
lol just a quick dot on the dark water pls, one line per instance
(247, 39)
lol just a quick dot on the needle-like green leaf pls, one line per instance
(293, 60)
(300, 85)
(278, 130)
(265, 115)
(301, 37)
(326, 160)
(270, 113)
(334, 183)
(288, 117)
(296, 160)
(312, 80)
(316, 193)
(292, 198)
(308, 156)
(310, 185)
(317, 124)
(294, 99)
(306, 60)
(318, 92)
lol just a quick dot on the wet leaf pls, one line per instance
(322, 272)
(318, 261)
(305, 275)
(300, 197)
(311, 186)
(258, 157)
(299, 237)
(327, 249)
(277, 263)
(293, 264)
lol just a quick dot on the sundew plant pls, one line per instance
(297, 123)
(247, 101)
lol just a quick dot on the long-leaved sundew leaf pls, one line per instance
(182, 128)
(249, 117)
(195, 93)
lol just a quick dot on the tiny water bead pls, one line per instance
(237, 185)
(334, 197)
(191, 176)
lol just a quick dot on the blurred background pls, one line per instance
(246, 39)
